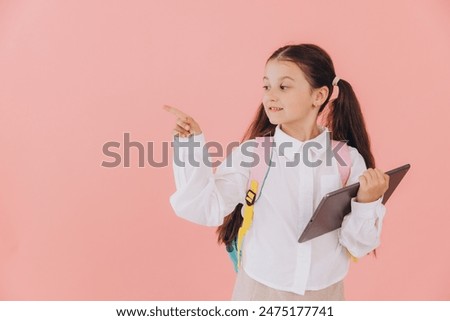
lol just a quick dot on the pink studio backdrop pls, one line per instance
(77, 74)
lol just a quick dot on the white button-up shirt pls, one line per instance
(272, 254)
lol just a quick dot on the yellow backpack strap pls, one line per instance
(258, 175)
(248, 217)
(353, 258)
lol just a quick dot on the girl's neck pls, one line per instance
(301, 132)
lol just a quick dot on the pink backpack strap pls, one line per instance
(260, 169)
(344, 153)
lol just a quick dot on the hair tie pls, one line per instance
(335, 81)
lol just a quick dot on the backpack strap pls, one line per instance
(258, 172)
(344, 171)
(256, 182)
(343, 153)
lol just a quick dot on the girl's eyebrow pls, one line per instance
(281, 78)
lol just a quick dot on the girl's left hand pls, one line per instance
(373, 183)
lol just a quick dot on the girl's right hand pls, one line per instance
(373, 184)
(185, 125)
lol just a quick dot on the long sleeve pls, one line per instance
(202, 196)
(361, 229)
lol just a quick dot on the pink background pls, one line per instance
(77, 74)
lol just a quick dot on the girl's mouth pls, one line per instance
(275, 109)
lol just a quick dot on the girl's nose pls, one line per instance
(269, 95)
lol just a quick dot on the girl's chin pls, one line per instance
(274, 121)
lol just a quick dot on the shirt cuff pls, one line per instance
(184, 146)
(195, 138)
(365, 210)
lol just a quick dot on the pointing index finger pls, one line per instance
(175, 111)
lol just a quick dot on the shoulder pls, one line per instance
(246, 155)
(238, 155)
(355, 156)
(347, 152)
(246, 147)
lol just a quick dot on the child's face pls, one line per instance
(292, 95)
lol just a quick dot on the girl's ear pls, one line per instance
(320, 95)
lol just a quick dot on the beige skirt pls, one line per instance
(247, 289)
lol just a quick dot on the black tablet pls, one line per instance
(335, 205)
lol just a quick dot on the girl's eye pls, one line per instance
(282, 87)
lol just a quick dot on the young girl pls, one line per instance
(298, 83)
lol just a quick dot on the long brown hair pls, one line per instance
(344, 117)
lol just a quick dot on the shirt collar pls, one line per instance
(288, 146)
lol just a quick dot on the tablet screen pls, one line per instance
(335, 205)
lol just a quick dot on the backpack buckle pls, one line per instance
(250, 197)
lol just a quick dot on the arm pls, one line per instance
(361, 229)
(201, 196)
